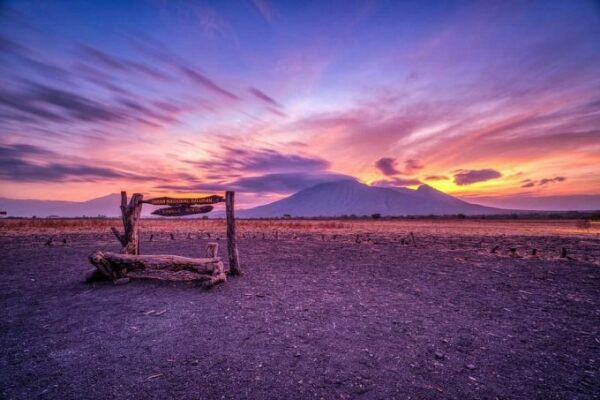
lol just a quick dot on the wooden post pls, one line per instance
(212, 250)
(232, 250)
(130, 215)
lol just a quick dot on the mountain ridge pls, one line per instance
(350, 197)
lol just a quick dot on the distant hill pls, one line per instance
(349, 197)
(107, 206)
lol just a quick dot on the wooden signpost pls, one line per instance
(172, 201)
(181, 211)
(120, 267)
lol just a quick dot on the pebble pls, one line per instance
(439, 355)
(470, 366)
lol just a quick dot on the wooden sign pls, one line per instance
(171, 201)
(181, 211)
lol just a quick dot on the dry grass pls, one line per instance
(332, 226)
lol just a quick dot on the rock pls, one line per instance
(439, 355)
(470, 366)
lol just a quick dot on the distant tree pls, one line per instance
(287, 216)
(461, 216)
(376, 216)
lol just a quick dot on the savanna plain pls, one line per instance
(326, 309)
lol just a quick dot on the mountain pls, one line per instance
(349, 197)
(107, 206)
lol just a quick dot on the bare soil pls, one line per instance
(319, 313)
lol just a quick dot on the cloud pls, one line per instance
(411, 166)
(396, 182)
(39, 104)
(260, 170)
(277, 112)
(20, 163)
(207, 83)
(528, 183)
(468, 177)
(551, 180)
(106, 60)
(436, 178)
(283, 183)
(387, 166)
(264, 97)
(57, 105)
(230, 159)
(16, 166)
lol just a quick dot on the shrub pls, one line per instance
(584, 224)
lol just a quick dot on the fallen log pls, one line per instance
(116, 266)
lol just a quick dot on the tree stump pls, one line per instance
(130, 215)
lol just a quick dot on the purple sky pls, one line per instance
(494, 102)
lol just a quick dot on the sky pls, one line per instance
(495, 102)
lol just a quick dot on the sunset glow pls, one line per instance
(493, 102)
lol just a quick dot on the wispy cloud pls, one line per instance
(264, 8)
(282, 183)
(528, 183)
(396, 182)
(468, 177)
(207, 83)
(19, 163)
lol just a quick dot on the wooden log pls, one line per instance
(116, 267)
(119, 262)
(232, 249)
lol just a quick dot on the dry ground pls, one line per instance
(326, 309)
